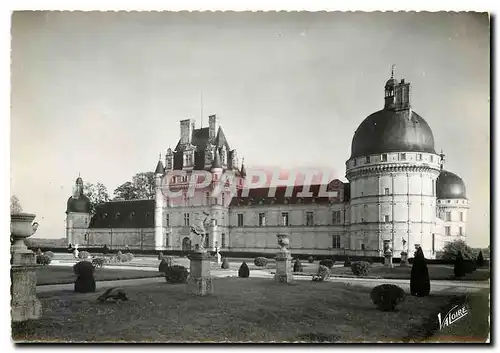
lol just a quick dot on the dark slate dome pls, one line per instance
(78, 204)
(450, 186)
(392, 131)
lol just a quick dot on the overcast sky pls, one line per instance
(102, 94)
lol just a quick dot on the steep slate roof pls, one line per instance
(124, 214)
(260, 196)
(200, 139)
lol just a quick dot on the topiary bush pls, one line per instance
(244, 271)
(322, 274)
(420, 284)
(327, 262)
(83, 255)
(49, 254)
(347, 262)
(165, 263)
(43, 260)
(480, 259)
(85, 282)
(459, 268)
(297, 266)
(176, 274)
(310, 259)
(387, 296)
(225, 264)
(105, 249)
(361, 268)
(260, 261)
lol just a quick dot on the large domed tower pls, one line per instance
(452, 204)
(392, 173)
(77, 215)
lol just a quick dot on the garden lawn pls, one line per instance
(240, 310)
(62, 274)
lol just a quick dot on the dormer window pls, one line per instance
(117, 215)
(403, 156)
(384, 157)
(367, 159)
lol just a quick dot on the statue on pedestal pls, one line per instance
(199, 229)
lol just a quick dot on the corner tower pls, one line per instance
(392, 173)
(77, 215)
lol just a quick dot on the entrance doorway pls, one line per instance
(186, 244)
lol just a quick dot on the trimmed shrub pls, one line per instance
(459, 269)
(327, 262)
(105, 249)
(420, 284)
(98, 262)
(387, 296)
(260, 261)
(83, 255)
(297, 266)
(43, 260)
(361, 268)
(310, 259)
(85, 282)
(49, 254)
(160, 256)
(176, 274)
(225, 264)
(480, 259)
(322, 274)
(244, 271)
(347, 262)
(165, 263)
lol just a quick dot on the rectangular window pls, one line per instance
(354, 162)
(367, 159)
(262, 219)
(222, 199)
(384, 157)
(336, 242)
(447, 230)
(460, 231)
(419, 157)
(433, 188)
(207, 199)
(433, 243)
(362, 246)
(167, 221)
(387, 192)
(386, 218)
(309, 218)
(284, 218)
(186, 219)
(166, 241)
(461, 216)
(403, 156)
(336, 217)
(240, 219)
(448, 216)
(223, 240)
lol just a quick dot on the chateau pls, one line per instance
(398, 196)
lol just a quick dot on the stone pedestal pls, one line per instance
(284, 267)
(199, 282)
(24, 303)
(388, 260)
(404, 260)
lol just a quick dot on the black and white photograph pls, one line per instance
(250, 177)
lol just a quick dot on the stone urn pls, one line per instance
(21, 228)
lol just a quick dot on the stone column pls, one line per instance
(199, 282)
(24, 303)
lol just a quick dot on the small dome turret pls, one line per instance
(450, 186)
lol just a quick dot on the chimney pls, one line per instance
(213, 126)
(402, 96)
(187, 128)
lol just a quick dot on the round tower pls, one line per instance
(159, 202)
(453, 206)
(392, 173)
